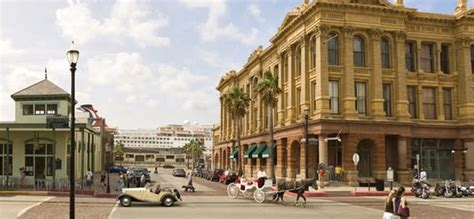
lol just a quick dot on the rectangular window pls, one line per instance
(40, 109)
(385, 53)
(361, 97)
(427, 58)
(410, 56)
(445, 59)
(52, 109)
(447, 105)
(29, 165)
(313, 96)
(429, 103)
(28, 109)
(334, 96)
(472, 59)
(412, 99)
(387, 96)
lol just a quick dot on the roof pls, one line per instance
(41, 89)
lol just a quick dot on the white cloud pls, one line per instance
(128, 20)
(7, 50)
(254, 10)
(212, 30)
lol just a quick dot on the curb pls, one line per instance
(32, 193)
(374, 193)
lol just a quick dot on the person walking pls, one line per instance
(142, 180)
(89, 178)
(22, 177)
(388, 212)
(102, 181)
(400, 205)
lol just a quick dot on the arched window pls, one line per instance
(359, 51)
(298, 61)
(333, 49)
(312, 53)
(385, 53)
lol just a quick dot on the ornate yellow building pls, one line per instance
(396, 81)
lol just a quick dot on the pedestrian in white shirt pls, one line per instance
(89, 177)
(261, 176)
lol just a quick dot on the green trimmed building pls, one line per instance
(30, 143)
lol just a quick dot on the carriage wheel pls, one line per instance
(259, 196)
(232, 190)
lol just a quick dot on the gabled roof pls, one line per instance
(44, 88)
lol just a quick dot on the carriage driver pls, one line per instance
(261, 177)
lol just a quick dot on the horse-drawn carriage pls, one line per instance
(268, 192)
(250, 189)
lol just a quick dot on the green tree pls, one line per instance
(268, 89)
(193, 149)
(237, 102)
(118, 151)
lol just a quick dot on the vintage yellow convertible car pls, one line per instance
(154, 193)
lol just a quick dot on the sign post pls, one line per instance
(390, 177)
(355, 159)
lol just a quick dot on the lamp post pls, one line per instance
(72, 57)
(306, 140)
(107, 152)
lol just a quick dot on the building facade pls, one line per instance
(396, 83)
(42, 151)
(162, 145)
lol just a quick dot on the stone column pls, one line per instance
(465, 94)
(400, 85)
(323, 149)
(322, 70)
(377, 101)
(348, 94)
(403, 173)
(303, 160)
(438, 58)
(440, 103)
(291, 163)
(469, 159)
(279, 168)
(290, 113)
(420, 98)
(280, 119)
(304, 79)
(418, 56)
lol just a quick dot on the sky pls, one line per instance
(143, 63)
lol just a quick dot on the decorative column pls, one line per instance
(348, 94)
(279, 168)
(438, 58)
(290, 110)
(323, 149)
(400, 86)
(440, 103)
(280, 110)
(403, 173)
(420, 99)
(304, 78)
(322, 70)
(465, 95)
(377, 101)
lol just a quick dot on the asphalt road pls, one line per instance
(14, 206)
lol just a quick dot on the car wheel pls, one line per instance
(167, 201)
(125, 201)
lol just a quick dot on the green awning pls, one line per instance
(260, 150)
(248, 153)
(235, 154)
(266, 153)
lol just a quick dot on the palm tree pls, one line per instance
(118, 151)
(268, 88)
(194, 149)
(237, 102)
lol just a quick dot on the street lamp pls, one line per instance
(72, 57)
(107, 152)
(306, 118)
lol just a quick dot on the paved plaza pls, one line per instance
(211, 201)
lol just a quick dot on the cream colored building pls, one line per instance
(398, 82)
(28, 143)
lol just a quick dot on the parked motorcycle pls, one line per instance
(420, 188)
(452, 189)
(439, 189)
(467, 190)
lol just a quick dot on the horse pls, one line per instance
(298, 187)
